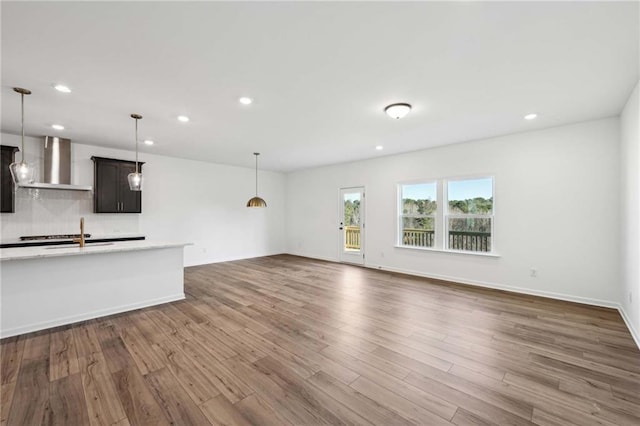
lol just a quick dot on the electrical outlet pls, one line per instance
(381, 254)
(534, 272)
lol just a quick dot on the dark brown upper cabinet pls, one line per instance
(111, 193)
(7, 156)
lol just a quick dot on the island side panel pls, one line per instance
(46, 292)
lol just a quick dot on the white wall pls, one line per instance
(182, 200)
(557, 203)
(630, 168)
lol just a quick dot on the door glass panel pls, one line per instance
(352, 222)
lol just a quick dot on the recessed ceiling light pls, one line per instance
(531, 116)
(379, 147)
(183, 118)
(245, 101)
(397, 111)
(57, 126)
(62, 88)
(148, 142)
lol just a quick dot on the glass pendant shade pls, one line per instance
(135, 181)
(256, 201)
(22, 173)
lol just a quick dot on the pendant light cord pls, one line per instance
(257, 175)
(22, 123)
(136, 146)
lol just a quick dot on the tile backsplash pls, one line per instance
(46, 212)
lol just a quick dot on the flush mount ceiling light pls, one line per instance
(245, 100)
(148, 142)
(397, 111)
(183, 118)
(379, 148)
(57, 126)
(135, 179)
(256, 201)
(531, 116)
(21, 172)
(62, 88)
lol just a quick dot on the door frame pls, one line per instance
(353, 257)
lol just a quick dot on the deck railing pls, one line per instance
(417, 237)
(471, 241)
(458, 240)
(352, 237)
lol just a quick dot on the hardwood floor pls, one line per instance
(285, 340)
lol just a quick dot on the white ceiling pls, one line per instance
(320, 73)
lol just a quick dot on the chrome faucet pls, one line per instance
(81, 239)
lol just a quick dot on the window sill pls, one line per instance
(471, 253)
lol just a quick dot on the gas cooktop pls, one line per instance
(52, 237)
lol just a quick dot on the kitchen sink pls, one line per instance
(75, 246)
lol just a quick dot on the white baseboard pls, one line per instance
(230, 259)
(495, 286)
(89, 315)
(629, 323)
(521, 290)
(551, 295)
(310, 256)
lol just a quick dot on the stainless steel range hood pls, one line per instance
(57, 167)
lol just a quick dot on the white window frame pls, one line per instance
(435, 215)
(441, 215)
(446, 215)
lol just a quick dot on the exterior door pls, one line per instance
(352, 225)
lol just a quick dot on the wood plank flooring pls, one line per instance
(284, 340)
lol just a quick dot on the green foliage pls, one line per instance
(352, 213)
(425, 207)
(418, 207)
(418, 223)
(470, 225)
(476, 205)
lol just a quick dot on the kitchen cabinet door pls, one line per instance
(106, 187)
(111, 187)
(131, 201)
(7, 196)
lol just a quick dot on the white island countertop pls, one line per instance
(20, 253)
(49, 286)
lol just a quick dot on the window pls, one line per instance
(463, 221)
(418, 206)
(469, 216)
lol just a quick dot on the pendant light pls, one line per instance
(22, 173)
(256, 201)
(135, 179)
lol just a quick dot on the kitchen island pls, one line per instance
(43, 287)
